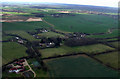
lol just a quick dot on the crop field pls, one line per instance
(23, 34)
(50, 34)
(110, 59)
(23, 26)
(90, 49)
(78, 66)
(12, 50)
(83, 23)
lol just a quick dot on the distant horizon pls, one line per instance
(56, 3)
(104, 3)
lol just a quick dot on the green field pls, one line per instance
(50, 34)
(78, 66)
(83, 23)
(110, 59)
(10, 75)
(115, 44)
(26, 26)
(112, 39)
(23, 34)
(15, 13)
(5, 38)
(62, 50)
(113, 34)
(11, 51)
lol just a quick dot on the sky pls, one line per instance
(109, 3)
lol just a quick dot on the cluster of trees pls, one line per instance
(62, 14)
(55, 40)
(39, 15)
(79, 42)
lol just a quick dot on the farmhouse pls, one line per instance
(20, 41)
(44, 45)
(18, 68)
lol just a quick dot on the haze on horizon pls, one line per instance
(108, 3)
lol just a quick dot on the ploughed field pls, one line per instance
(78, 66)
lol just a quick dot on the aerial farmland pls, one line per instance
(59, 40)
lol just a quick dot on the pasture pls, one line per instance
(5, 38)
(50, 34)
(63, 50)
(87, 23)
(110, 59)
(26, 26)
(78, 66)
(11, 51)
(115, 33)
(23, 34)
(115, 44)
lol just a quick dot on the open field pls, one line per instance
(16, 13)
(83, 23)
(115, 33)
(90, 49)
(110, 59)
(20, 19)
(50, 34)
(78, 66)
(9, 75)
(115, 44)
(113, 39)
(26, 26)
(12, 50)
(23, 34)
(5, 38)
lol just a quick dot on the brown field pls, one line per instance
(20, 19)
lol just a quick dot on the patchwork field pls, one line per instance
(12, 50)
(26, 26)
(20, 19)
(23, 34)
(79, 66)
(50, 34)
(83, 23)
(110, 59)
(90, 49)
